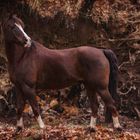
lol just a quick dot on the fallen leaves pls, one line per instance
(65, 131)
(71, 111)
(6, 131)
(65, 126)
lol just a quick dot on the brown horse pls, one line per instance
(32, 67)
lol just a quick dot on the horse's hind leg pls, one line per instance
(109, 102)
(31, 97)
(91, 93)
(20, 101)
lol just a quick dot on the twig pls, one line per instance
(137, 111)
(134, 22)
(135, 15)
(123, 64)
(125, 93)
(123, 39)
(119, 39)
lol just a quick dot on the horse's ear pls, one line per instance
(14, 16)
(11, 15)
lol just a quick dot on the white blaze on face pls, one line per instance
(93, 122)
(28, 44)
(40, 122)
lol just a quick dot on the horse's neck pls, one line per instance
(14, 53)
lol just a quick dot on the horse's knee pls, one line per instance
(20, 103)
(36, 111)
(112, 109)
(30, 94)
(20, 108)
(33, 102)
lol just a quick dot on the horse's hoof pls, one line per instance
(43, 128)
(91, 130)
(119, 129)
(18, 130)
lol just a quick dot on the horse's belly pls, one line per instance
(57, 83)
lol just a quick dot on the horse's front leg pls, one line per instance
(30, 93)
(20, 101)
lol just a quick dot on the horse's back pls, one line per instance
(91, 56)
(73, 64)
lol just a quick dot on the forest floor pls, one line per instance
(68, 126)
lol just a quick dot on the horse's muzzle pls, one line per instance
(28, 43)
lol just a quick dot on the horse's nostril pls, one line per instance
(25, 40)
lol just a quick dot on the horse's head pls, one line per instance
(13, 30)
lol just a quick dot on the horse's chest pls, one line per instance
(14, 74)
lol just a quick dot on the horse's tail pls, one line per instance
(113, 78)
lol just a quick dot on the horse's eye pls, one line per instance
(16, 33)
(12, 27)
